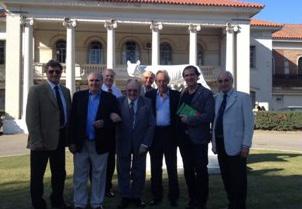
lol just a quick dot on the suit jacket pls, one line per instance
(43, 117)
(199, 125)
(174, 100)
(238, 122)
(78, 120)
(128, 140)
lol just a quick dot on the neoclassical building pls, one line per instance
(89, 35)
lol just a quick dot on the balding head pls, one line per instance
(225, 81)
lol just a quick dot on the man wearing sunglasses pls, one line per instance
(232, 137)
(47, 114)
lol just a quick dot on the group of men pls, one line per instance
(101, 123)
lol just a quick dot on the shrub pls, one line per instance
(280, 121)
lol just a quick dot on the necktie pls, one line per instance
(219, 121)
(132, 113)
(61, 108)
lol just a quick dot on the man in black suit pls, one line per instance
(93, 114)
(165, 102)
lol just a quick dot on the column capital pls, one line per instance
(69, 23)
(232, 28)
(194, 28)
(110, 24)
(156, 26)
(26, 21)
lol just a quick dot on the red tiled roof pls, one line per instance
(289, 31)
(262, 23)
(219, 3)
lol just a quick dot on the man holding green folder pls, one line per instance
(196, 112)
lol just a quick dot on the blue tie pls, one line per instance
(219, 121)
(61, 108)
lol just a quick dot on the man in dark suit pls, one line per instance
(134, 137)
(165, 102)
(47, 114)
(195, 136)
(232, 138)
(147, 81)
(91, 123)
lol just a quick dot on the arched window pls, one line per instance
(200, 55)
(165, 54)
(95, 52)
(300, 66)
(130, 52)
(61, 50)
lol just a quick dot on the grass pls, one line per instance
(275, 182)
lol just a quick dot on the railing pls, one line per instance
(82, 70)
(287, 80)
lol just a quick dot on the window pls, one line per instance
(200, 55)
(130, 52)
(61, 51)
(300, 66)
(95, 53)
(253, 56)
(165, 54)
(2, 52)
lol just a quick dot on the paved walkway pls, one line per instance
(291, 141)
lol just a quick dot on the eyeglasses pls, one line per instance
(54, 71)
(94, 80)
(224, 81)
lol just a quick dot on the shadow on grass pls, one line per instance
(275, 182)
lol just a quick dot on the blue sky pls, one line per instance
(280, 11)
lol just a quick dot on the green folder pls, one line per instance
(186, 110)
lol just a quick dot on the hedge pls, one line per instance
(279, 121)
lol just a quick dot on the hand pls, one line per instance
(245, 152)
(115, 117)
(99, 124)
(142, 149)
(184, 118)
(72, 148)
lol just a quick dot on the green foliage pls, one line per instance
(279, 121)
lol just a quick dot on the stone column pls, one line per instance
(110, 25)
(70, 53)
(27, 24)
(243, 57)
(155, 27)
(193, 29)
(230, 45)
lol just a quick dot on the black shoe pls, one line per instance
(154, 202)
(110, 194)
(78, 208)
(62, 206)
(173, 203)
(124, 203)
(139, 203)
(100, 207)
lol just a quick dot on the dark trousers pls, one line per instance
(38, 163)
(110, 169)
(195, 161)
(234, 176)
(164, 145)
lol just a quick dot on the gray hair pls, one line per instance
(98, 75)
(167, 77)
(109, 70)
(228, 74)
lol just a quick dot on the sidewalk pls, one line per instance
(288, 141)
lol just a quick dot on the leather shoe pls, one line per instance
(139, 203)
(62, 206)
(154, 202)
(100, 207)
(124, 203)
(173, 203)
(110, 194)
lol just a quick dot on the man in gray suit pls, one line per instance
(232, 138)
(47, 114)
(134, 137)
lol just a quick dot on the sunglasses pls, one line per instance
(224, 81)
(94, 80)
(54, 71)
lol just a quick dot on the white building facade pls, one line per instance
(91, 35)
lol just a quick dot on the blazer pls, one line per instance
(238, 122)
(174, 100)
(78, 120)
(199, 125)
(43, 117)
(129, 139)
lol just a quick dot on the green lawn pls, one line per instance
(275, 182)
